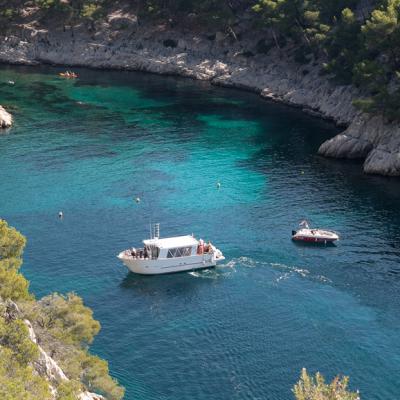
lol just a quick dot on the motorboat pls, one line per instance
(314, 235)
(171, 254)
(69, 75)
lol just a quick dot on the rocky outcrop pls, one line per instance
(90, 396)
(45, 365)
(222, 59)
(369, 138)
(5, 118)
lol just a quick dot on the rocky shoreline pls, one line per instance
(222, 60)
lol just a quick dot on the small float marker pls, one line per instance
(60, 215)
(137, 200)
(218, 185)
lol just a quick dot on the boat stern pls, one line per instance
(218, 256)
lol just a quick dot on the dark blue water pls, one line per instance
(245, 329)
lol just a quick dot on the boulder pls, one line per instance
(5, 118)
(371, 138)
(90, 396)
(123, 21)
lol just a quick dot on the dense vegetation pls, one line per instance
(357, 44)
(64, 326)
(315, 388)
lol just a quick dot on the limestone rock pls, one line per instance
(5, 118)
(90, 396)
(370, 138)
(122, 21)
(45, 365)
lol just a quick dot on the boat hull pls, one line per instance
(315, 236)
(313, 239)
(167, 266)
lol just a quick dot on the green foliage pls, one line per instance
(8, 13)
(96, 377)
(19, 381)
(90, 10)
(363, 52)
(12, 284)
(67, 318)
(315, 388)
(14, 336)
(215, 13)
(12, 243)
(68, 390)
(47, 4)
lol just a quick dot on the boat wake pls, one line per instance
(286, 271)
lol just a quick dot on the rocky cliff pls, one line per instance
(223, 59)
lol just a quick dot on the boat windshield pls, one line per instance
(179, 252)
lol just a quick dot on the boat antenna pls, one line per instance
(156, 231)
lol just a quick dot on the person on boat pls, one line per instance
(146, 252)
(133, 252)
(200, 247)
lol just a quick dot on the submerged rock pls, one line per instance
(5, 118)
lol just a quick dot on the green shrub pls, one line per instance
(315, 388)
(19, 381)
(12, 243)
(67, 318)
(13, 285)
(68, 390)
(14, 335)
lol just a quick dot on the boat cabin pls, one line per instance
(180, 246)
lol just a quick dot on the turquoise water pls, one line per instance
(245, 329)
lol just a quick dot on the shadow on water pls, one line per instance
(167, 285)
(313, 244)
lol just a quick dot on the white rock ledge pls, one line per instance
(5, 118)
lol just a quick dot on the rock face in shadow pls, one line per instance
(121, 43)
(5, 118)
(370, 138)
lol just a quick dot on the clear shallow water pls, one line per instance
(245, 329)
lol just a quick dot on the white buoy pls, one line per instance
(218, 185)
(60, 215)
(137, 200)
(11, 82)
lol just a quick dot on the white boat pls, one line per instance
(173, 254)
(315, 235)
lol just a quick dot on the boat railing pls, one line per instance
(138, 254)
